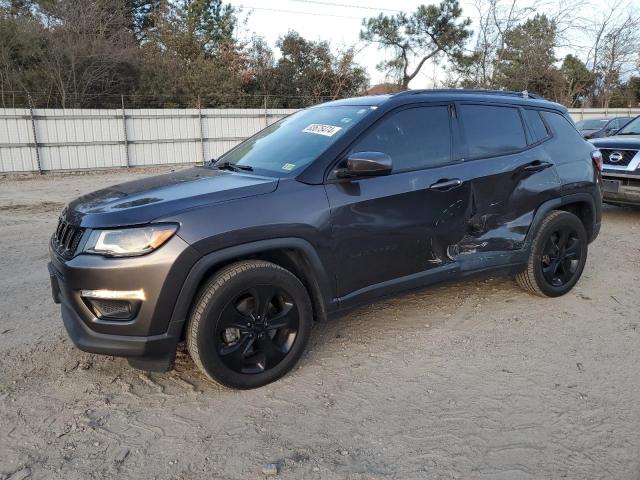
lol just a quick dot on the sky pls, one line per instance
(340, 25)
(341, 22)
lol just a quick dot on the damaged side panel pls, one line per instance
(504, 196)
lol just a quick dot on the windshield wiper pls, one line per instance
(233, 167)
(628, 133)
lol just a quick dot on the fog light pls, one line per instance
(114, 294)
(111, 309)
(113, 304)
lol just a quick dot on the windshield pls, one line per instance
(631, 128)
(295, 141)
(591, 124)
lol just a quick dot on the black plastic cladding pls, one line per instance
(359, 238)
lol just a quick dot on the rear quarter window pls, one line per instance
(562, 127)
(492, 130)
(536, 125)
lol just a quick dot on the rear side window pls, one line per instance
(536, 125)
(414, 138)
(561, 126)
(492, 130)
(619, 123)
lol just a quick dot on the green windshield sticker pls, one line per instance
(288, 166)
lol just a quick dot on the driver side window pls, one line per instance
(414, 138)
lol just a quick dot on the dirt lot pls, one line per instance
(472, 380)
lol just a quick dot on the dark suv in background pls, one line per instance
(328, 209)
(601, 127)
(621, 157)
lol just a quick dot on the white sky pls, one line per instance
(340, 25)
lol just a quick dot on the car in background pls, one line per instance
(601, 127)
(621, 164)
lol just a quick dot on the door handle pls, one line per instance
(537, 165)
(446, 184)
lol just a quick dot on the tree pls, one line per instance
(614, 50)
(191, 58)
(143, 15)
(259, 73)
(428, 33)
(310, 69)
(90, 50)
(577, 82)
(527, 58)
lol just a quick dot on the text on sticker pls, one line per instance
(319, 129)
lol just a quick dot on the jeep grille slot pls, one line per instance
(620, 158)
(66, 239)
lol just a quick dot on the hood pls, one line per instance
(142, 201)
(625, 142)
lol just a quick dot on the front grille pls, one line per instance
(66, 239)
(621, 158)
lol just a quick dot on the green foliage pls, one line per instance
(157, 53)
(431, 32)
(527, 58)
(310, 69)
(577, 81)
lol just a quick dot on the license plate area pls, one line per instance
(611, 185)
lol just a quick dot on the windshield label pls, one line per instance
(288, 166)
(319, 129)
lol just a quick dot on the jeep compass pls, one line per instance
(328, 209)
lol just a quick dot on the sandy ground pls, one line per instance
(472, 380)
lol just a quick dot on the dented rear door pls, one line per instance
(509, 172)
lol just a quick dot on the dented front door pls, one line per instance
(389, 227)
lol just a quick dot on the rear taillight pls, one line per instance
(596, 156)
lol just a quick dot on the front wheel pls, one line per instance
(250, 324)
(558, 255)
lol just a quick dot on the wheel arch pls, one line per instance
(580, 204)
(294, 254)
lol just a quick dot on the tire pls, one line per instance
(555, 262)
(249, 325)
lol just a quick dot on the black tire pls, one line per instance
(233, 334)
(556, 261)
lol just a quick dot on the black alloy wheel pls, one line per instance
(257, 329)
(561, 256)
(250, 324)
(557, 256)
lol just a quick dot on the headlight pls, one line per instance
(127, 242)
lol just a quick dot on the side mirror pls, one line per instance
(365, 164)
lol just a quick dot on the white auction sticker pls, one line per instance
(326, 130)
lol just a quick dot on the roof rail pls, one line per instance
(471, 91)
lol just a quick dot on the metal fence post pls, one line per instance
(266, 118)
(124, 133)
(35, 135)
(200, 129)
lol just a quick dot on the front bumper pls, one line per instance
(622, 188)
(150, 338)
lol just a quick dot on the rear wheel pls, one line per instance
(250, 324)
(557, 258)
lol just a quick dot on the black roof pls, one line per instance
(408, 96)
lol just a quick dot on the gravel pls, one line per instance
(476, 379)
